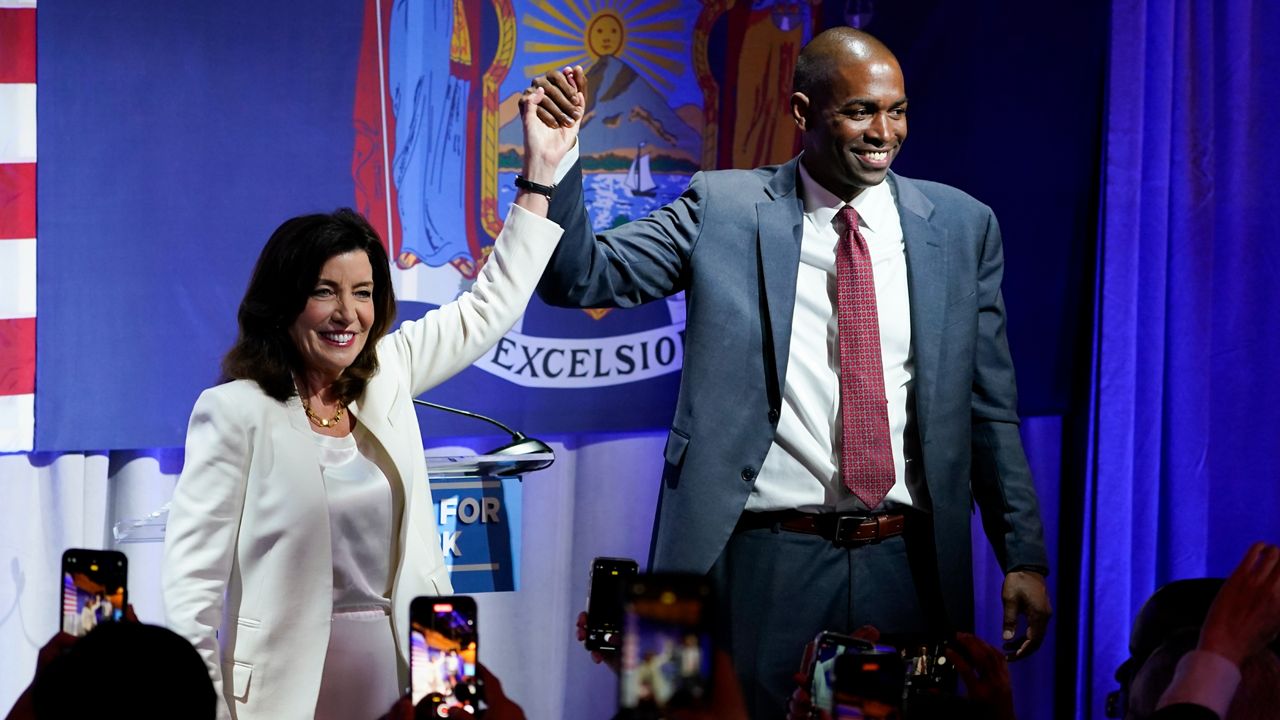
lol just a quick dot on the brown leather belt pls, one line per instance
(838, 528)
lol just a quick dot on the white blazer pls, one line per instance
(249, 521)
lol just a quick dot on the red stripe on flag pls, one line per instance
(18, 356)
(17, 45)
(17, 201)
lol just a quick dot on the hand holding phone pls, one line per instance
(868, 684)
(609, 579)
(820, 664)
(666, 646)
(93, 589)
(443, 648)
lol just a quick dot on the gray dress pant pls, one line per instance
(776, 590)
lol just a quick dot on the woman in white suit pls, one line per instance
(302, 527)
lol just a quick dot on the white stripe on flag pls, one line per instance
(17, 422)
(18, 122)
(18, 279)
(17, 3)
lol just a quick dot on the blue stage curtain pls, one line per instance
(1185, 408)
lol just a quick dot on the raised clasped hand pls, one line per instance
(547, 138)
(1245, 615)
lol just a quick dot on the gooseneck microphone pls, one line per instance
(520, 445)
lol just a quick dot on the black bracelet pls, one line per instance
(533, 187)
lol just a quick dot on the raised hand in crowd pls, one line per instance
(498, 705)
(501, 707)
(726, 694)
(1245, 616)
(984, 670)
(800, 706)
(610, 659)
(1242, 621)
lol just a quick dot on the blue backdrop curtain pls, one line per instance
(1183, 472)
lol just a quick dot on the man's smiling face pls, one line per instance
(856, 124)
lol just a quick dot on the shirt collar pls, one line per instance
(875, 204)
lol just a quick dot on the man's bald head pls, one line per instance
(821, 57)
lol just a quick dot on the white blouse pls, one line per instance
(363, 519)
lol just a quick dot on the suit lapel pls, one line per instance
(780, 227)
(297, 416)
(926, 243)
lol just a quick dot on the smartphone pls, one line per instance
(820, 665)
(93, 589)
(609, 578)
(869, 685)
(666, 646)
(443, 645)
(930, 682)
(928, 672)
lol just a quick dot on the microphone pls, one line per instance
(520, 445)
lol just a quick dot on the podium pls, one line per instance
(477, 504)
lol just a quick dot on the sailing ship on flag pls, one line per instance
(639, 179)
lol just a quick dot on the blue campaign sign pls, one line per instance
(479, 520)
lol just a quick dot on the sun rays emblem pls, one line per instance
(644, 35)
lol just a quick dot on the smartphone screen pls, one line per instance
(93, 589)
(822, 671)
(609, 578)
(868, 685)
(443, 642)
(666, 645)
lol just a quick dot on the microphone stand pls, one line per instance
(520, 446)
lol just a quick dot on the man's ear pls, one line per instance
(800, 110)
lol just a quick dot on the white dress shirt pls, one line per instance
(802, 468)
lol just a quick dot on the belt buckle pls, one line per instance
(846, 532)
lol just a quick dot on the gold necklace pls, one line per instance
(337, 417)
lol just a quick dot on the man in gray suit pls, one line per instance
(847, 392)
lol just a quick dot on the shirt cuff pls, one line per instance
(566, 162)
(529, 223)
(1203, 678)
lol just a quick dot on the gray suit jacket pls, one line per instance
(732, 241)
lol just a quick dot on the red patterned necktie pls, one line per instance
(866, 457)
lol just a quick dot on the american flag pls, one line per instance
(70, 605)
(70, 598)
(17, 224)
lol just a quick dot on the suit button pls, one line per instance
(748, 473)
(773, 415)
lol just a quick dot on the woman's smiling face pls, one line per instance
(333, 328)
